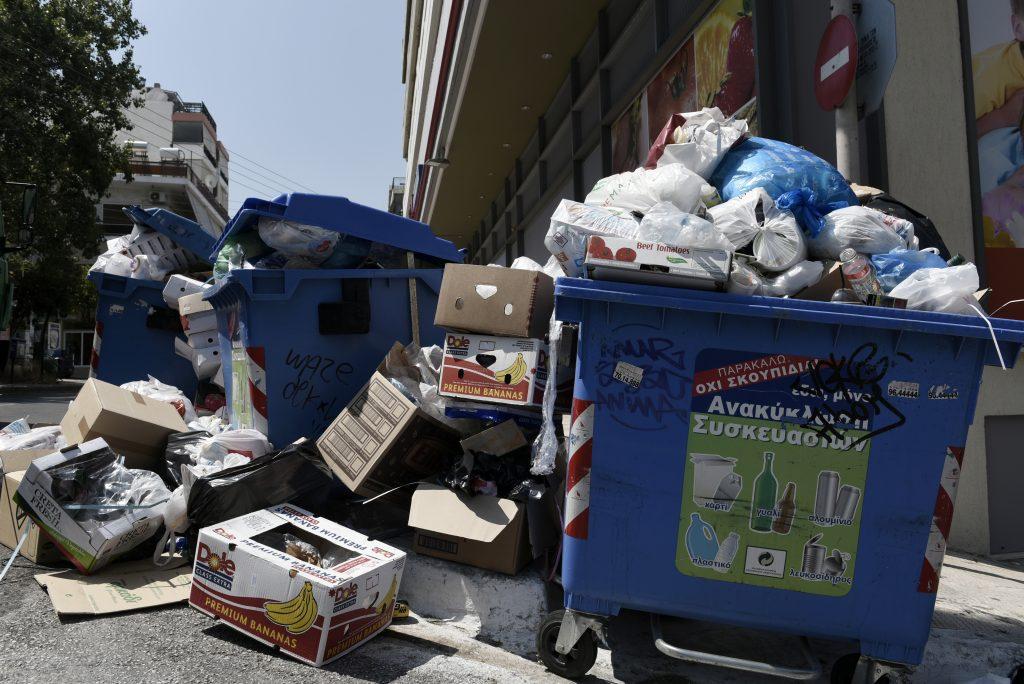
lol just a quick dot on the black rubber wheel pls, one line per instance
(573, 664)
(845, 667)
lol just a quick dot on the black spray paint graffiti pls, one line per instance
(310, 388)
(851, 393)
(663, 387)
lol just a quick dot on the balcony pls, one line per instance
(180, 169)
(395, 195)
(196, 108)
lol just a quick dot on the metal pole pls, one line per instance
(847, 129)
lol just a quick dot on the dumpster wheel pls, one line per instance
(852, 668)
(580, 658)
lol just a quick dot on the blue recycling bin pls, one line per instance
(135, 329)
(299, 343)
(769, 463)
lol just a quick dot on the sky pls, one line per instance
(311, 89)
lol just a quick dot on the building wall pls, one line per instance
(928, 169)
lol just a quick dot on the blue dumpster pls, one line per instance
(135, 329)
(300, 343)
(796, 469)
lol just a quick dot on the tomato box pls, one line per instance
(502, 370)
(656, 263)
(303, 584)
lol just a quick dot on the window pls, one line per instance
(79, 344)
(188, 132)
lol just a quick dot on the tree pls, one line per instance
(66, 78)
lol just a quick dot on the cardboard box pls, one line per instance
(313, 614)
(118, 589)
(822, 291)
(501, 370)
(382, 440)
(655, 263)
(495, 301)
(196, 315)
(87, 548)
(499, 440)
(37, 547)
(484, 531)
(133, 425)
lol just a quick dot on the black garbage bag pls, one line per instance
(483, 473)
(925, 231)
(296, 474)
(177, 454)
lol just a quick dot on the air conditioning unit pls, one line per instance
(158, 198)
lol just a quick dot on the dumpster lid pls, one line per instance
(343, 216)
(958, 325)
(183, 231)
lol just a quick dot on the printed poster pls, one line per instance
(673, 90)
(726, 69)
(775, 473)
(997, 66)
(629, 138)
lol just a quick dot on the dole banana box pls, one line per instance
(259, 574)
(502, 370)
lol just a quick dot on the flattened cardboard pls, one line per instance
(483, 531)
(495, 301)
(37, 547)
(118, 588)
(382, 440)
(245, 584)
(499, 440)
(134, 426)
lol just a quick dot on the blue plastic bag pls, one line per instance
(779, 167)
(894, 267)
(809, 213)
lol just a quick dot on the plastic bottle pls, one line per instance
(860, 273)
(787, 510)
(726, 553)
(766, 489)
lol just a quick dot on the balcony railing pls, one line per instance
(197, 108)
(179, 169)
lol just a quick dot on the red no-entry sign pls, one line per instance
(835, 67)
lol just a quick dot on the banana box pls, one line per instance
(302, 584)
(502, 370)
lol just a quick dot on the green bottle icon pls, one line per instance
(766, 490)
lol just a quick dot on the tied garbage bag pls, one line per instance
(666, 224)
(641, 189)
(697, 140)
(776, 240)
(946, 290)
(182, 450)
(894, 267)
(810, 214)
(571, 225)
(154, 389)
(864, 230)
(778, 167)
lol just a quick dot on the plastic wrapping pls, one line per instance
(572, 223)
(666, 224)
(894, 267)
(212, 424)
(864, 230)
(182, 450)
(525, 263)
(745, 280)
(701, 141)
(48, 437)
(154, 389)
(298, 240)
(545, 446)
(246, 442)
(175, 524)
(754, 219)
(641, 189)
(946, 290)
(296, 471)
(779, 167)
(415, 372)
(146, 267)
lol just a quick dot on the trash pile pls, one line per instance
(716, 209)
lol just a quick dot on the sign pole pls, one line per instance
(847, 129)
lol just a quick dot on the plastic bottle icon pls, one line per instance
(726, 553)
(766, 489)
(701, 540)
(787, 510)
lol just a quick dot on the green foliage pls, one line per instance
(66, 76)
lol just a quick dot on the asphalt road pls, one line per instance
(44, 405)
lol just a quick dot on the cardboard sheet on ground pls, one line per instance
(118, 588)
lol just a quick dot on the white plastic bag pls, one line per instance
(525, 263)
(865, 230)
(297, 239)
(245, 442)
(794, 279)
(571, 225)
(778, 242)
(545, 445)
(154, 389)
(145, 267)
(48, 437)
(641, 189)
(744, 280)
(666, 224)
(946, 290)
(701, 142)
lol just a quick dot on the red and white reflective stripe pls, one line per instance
(941, 521)
(97, 342)
(577, 479)
(257, 372)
